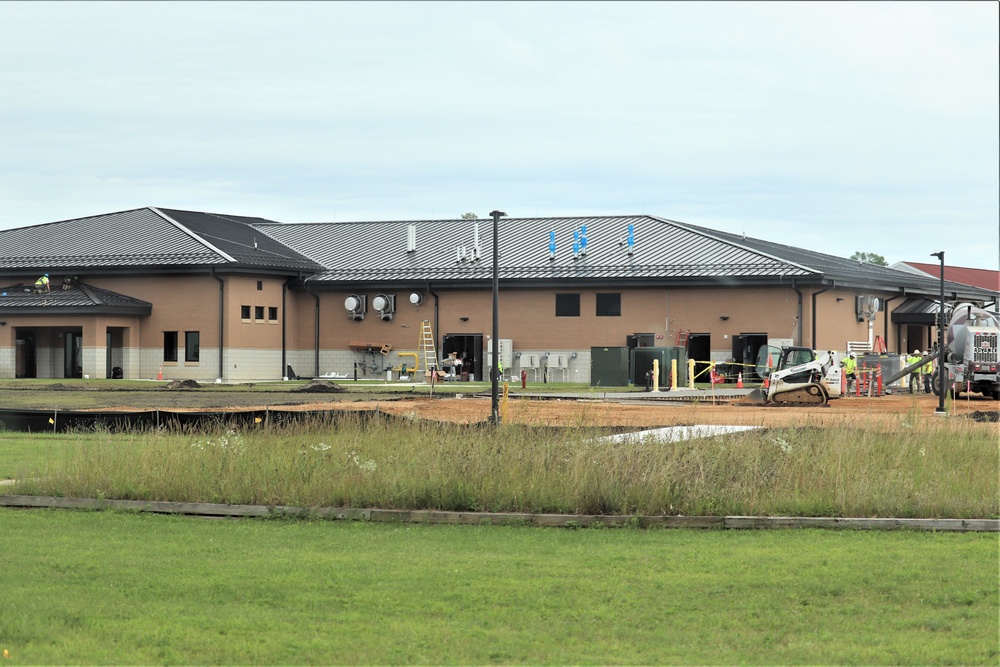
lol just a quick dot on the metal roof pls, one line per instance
(850, 273)
(447, 250)
(22, 299)
(145, 238)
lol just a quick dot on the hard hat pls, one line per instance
(851, 355)
(46, 275)
(916, 352)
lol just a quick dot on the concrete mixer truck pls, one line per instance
(971, 353)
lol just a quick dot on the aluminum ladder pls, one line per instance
(427, 347)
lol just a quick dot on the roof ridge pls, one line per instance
(192, 234)
(699, 230)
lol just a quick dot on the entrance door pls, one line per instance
(469, 348)
(73, 355)
(745, 347)
(699, 348)
(24, 366)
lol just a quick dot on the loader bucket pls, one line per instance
(756, 396)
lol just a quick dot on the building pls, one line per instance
(159, 292)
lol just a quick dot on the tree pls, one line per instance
(870, 258)
(469, 216)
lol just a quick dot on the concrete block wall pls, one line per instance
(8, 362)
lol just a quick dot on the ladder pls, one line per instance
(682, 338)
(427, 347)
(879, 347)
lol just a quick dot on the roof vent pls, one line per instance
(583, 240)
(552, 245)
(576, 244)
(411, 238)
(631, 239)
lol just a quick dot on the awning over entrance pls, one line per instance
(916, 311)
(76, 299)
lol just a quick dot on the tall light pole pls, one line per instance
(941, 353)
(495, 366)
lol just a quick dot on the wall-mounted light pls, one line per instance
(464, 319)
(723, 317)
(839, 299)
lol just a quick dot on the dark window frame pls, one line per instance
(609, 304)
(170, 346)
(567, 304)
(244, 312)
(272, 313)
(192, 352)
(258, 313)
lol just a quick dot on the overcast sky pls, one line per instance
(830, 126)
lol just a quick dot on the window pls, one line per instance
(170, 346)
(192, 351)
(272, 314)
(260, 285)
(245, 312)
(567, 305)
(609, 305)
(258, 312)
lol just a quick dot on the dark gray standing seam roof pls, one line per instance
(446, 251)
(146, 238)
(848, 272)
(21, 299)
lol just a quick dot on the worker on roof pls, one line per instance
(850, 366)
(42, 284)
(914, 374)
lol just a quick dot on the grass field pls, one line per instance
(121, 588)
(934, 469)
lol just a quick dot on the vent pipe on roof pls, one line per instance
(411, 238)
(583, 239)
(552, 245)
(576, 244)
(631, 239)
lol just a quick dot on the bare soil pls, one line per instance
(633, 413)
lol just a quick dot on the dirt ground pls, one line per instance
(590, 412)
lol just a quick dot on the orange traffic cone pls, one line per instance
(739, 380)
(159, 376)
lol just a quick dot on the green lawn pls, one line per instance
(121, 588)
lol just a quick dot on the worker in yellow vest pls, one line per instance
(850, 366)
(914, 375)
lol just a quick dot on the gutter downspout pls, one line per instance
(798, 315)
(222, 311)
(284, 331)
(437, 336)
(814, 295)
(885, 322)
(315, 296)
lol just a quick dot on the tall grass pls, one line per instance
(902, 467)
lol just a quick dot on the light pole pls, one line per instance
(495, 366)
(941, 352)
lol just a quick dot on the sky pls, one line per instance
(837, 127)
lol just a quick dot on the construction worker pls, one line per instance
(925, 373)
(914, 375)
(850, 366)
(42, 284)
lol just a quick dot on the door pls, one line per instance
(468, 348)
(699, 348)
(73, 355)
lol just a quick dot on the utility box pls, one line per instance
(505, 352)
(609, 366)
(889, 363)
(642, 363)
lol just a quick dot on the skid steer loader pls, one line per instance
(798, 378)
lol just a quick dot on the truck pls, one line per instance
(971, 358)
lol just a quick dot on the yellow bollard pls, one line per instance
(656, 375)
(690, 373)
(673, 374)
